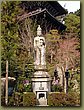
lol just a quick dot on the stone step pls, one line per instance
(42, 102)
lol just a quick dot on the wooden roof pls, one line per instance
(48, 22)
(52, 6)
(44, 12)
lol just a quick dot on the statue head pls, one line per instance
(39, 31)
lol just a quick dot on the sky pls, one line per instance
(71, 6)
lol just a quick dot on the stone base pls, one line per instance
(42, 102)
(38, 67)
(41, 74)
(41, 85)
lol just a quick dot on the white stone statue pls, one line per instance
(39, 46)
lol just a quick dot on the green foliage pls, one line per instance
(77, 12)
(62, 99)
(29, 99)
(9, 32)
(72, 21)
(20, 87)
(2, 101)
(51, 68)
(74, 83)
(11, 101)
(18, 99)
(15, 100)
(52, 44)
(13, 46)
(24, 87)
(57, 88)
(28, 88)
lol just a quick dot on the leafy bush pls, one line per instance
(20, 87)
(62, 99)
(29, 99)
(57, 88)
(24, 85)
(18, 99)
(73, 99)
(11, 101)
(28, 88)
(2, 101)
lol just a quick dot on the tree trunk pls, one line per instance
(6, 97)
(63, 79)
(65, 85)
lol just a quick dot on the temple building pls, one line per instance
(44, 13)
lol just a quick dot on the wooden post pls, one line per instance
(6, 95)
(66, 80)
(64, 84)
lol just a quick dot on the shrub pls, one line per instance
(18, 99)
(20, 87)
(24, 84)
(57, 88)
(2, 101)
(11, 101)
(62, 99)
(72, 99)
(29, 99)
(28, 88)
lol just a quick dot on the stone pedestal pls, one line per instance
(41, 83)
